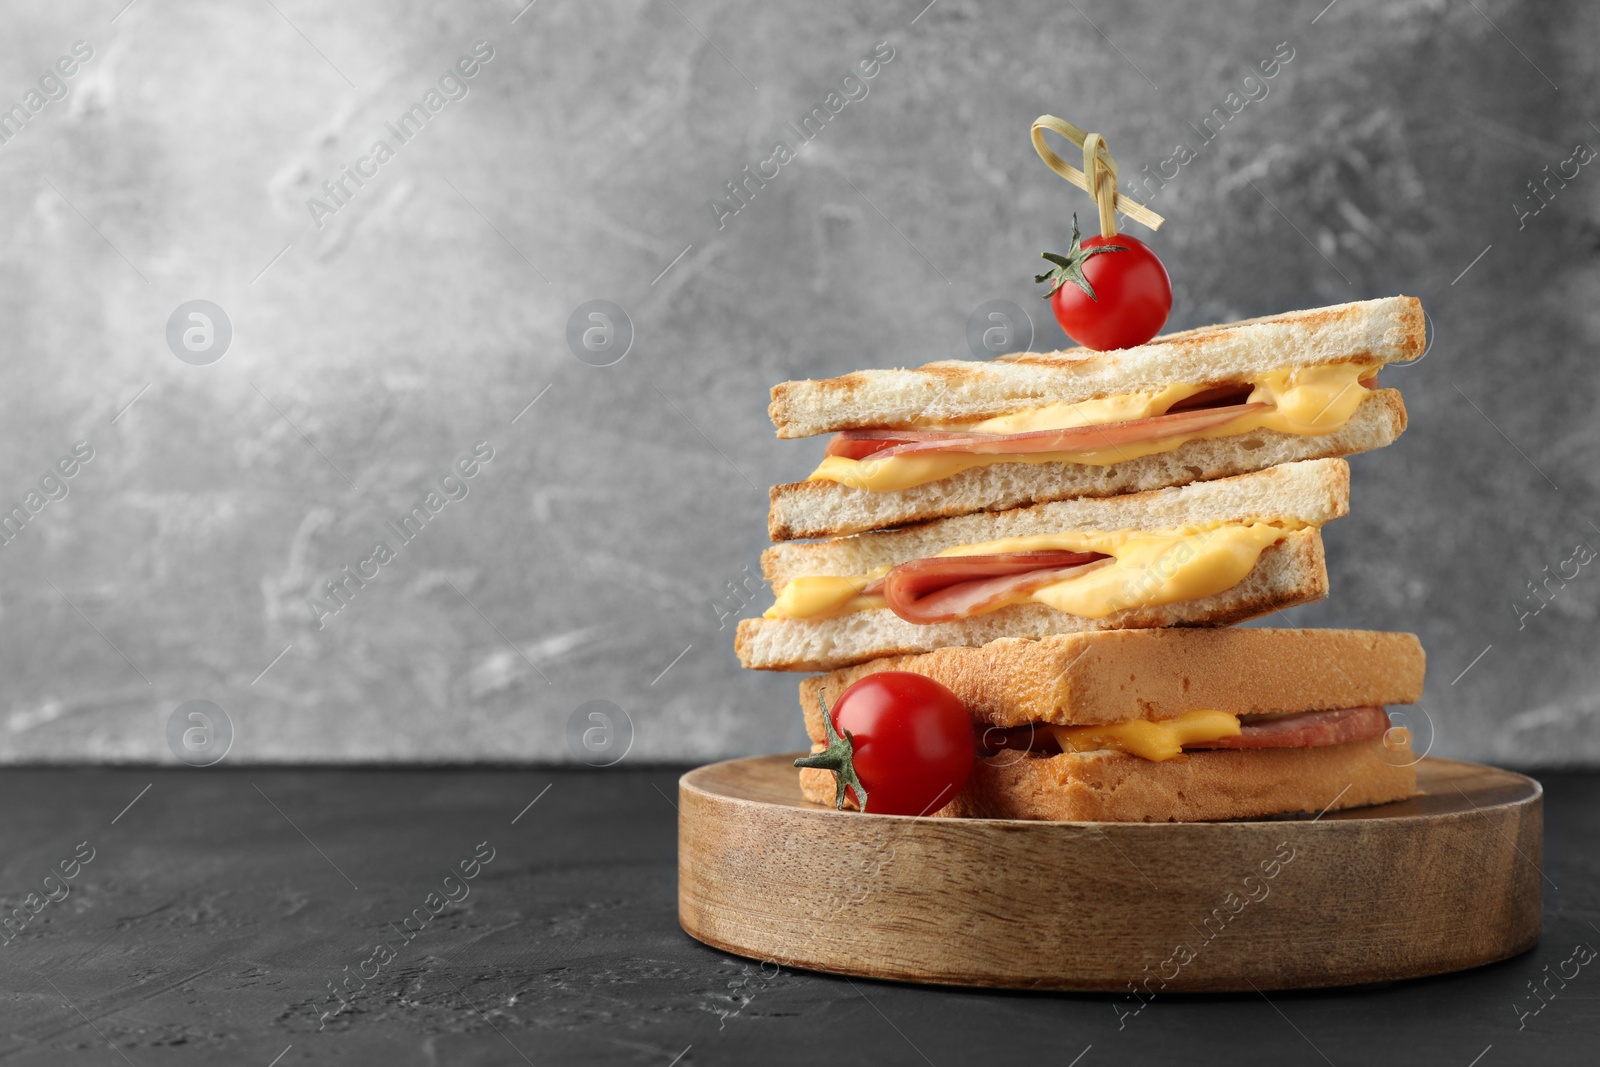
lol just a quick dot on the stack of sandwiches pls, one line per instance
(1061, 539)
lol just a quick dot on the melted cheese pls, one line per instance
(1148, 740)
(824, 595)
(1307, 401)
(1147, 568)
(1084, 413)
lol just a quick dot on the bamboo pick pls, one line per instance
(1099, 176)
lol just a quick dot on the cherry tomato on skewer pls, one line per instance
(1108, 292)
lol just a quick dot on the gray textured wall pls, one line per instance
(374, 346)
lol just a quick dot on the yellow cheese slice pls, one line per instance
(1149, 740)
(822, 596)
(1097, 412)
(1147, 568)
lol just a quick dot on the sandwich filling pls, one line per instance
(1081, 572)
(1307, 400)
(1168, 738)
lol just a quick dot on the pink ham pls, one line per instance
(1307, 730)
(947, 588)
(885, 444)
(859, 444)
(1217, 396)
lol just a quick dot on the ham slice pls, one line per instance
(885, 444)
(947, 588)
(1307, 730)
(1217, 396)
(859, 444)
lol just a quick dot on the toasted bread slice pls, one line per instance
(828, 509)
(1372, 332)
(1115, 676)
(1290, 572)
(1206, 785)
(1313, 491)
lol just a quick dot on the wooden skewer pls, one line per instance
(1098, 177)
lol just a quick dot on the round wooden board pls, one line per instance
(1441, 882)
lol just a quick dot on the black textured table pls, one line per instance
(503, 916)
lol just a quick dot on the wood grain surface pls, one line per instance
(1445, 881)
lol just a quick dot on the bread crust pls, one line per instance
(802, 510)
(1201, 786)
(1292, 571)
(1114, 676)
(1371, 332)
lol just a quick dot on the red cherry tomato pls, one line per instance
(912, 738)
(1132, 294)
